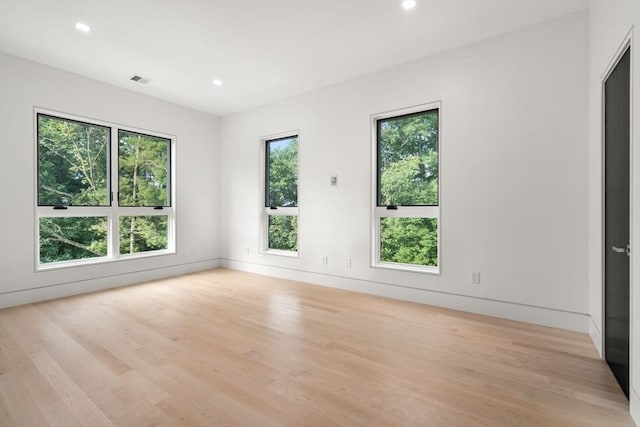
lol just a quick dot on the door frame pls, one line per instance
(626, 43)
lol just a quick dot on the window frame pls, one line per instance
(416, 211)
(113, 212)
(169, 176)
(265, 210)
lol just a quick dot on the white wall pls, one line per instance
(514, 171)
(610, 23)
(25, 84)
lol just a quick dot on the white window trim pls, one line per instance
(113, 212)
(378, 212)
(265, 212)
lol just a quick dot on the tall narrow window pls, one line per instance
(101, 200)
(407, 210)
(280, 218)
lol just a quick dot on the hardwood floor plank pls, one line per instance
(76, 398)
(18, 406)
(228, 348)
(5, 416)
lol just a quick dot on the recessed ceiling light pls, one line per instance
(408, 4)
(217, 82)
(83, 27)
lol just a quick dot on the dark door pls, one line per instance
(616, 220)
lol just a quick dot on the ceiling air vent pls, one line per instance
(140, 79)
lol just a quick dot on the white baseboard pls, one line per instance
(634, 405)
(596, 335)
(508, 310)
(28, 296)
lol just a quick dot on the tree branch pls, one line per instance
(53, 190)
(63, 239)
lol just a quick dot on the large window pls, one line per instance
(406, 213)
(100, 200)
(280, 215)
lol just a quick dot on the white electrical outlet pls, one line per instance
(475, 278)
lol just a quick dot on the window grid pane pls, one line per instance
(407, 148)
(72, 238)
(409, 241)
(73, 162)
(144, 170)
(143, 234)
(281, 183)
(283, 232)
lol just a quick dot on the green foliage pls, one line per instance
(283, 232)
(408, 160)
(143, 168)
(72, 163)
(282, 181)
(409, 240)
(143, 233)
(73, 170)
(403, 183)
(64, 239)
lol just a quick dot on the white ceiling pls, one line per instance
(263, 50)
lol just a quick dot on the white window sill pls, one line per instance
(102, 260)
(278, 252)
(408, 267)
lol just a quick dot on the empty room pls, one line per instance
(320, 213)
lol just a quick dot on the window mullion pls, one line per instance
(114, 222)
(114, 166)
(409, 212)
(285, 211)
(72, 211)
(142, 211)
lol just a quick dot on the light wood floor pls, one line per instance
(225, 348)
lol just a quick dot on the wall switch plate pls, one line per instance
(333, 180)
(475, 278)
